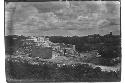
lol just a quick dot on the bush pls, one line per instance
(51, 72)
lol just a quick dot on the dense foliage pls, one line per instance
(53, 72)
(108, 46)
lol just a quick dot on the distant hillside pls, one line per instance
(108, 46)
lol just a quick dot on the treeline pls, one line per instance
(12, 43)
(67, 73)
(108, 46)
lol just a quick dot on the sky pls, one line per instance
(55, 18)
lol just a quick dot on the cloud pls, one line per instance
(49, 16)
(105, 23)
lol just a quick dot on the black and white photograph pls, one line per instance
(62, 41)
